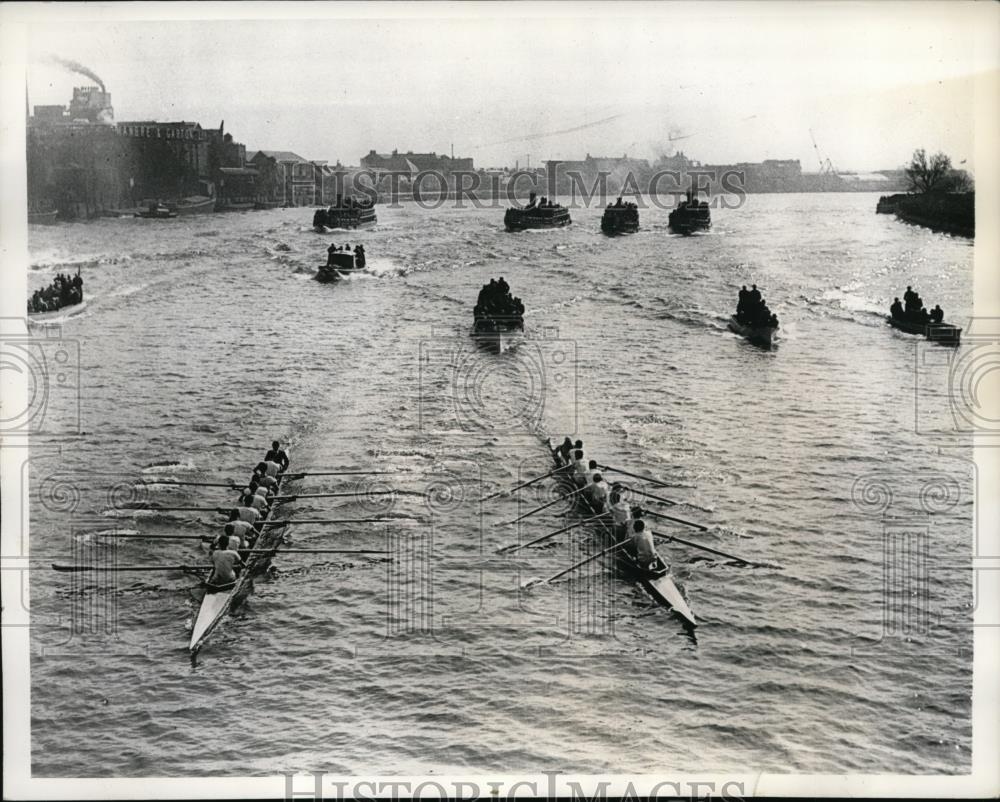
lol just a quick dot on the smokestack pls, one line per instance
(76, 66)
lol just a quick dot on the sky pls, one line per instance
(504, 83)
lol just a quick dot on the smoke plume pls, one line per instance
(76, 66)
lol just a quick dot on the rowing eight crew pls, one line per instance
(626, 520)
(246, 520)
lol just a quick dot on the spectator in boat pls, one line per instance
(347, 247)
(937, 314)
(923, 316)
(503, 286)
(909, 295)
(754, 296)
(621, 515)
(642, 540)
(896, 310)
(277, 454)
(329, 254)
(224, 565)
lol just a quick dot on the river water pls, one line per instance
(845, 647)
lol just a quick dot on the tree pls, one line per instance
(928, 175)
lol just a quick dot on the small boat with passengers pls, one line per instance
(537, 214)
(691, 215)
(498, 318)
(341, 262)
(753, 319)
(915, 319)
(345, 213)
(620, 217)
(62, 298)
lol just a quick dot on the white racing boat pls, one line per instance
(218, 601)
(656, 581)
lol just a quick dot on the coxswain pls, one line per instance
(277, 454)
(225, 561)
(565, 450)
(642, 541)
(896, 310)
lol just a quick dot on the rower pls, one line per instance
(598, 492)
(263, 480)
(259, 489)
(258, 503)
(621, 514)
(579, 469)
(247, 514)
(642, 541)
(267, 468)
(240, 533)
(225, 561)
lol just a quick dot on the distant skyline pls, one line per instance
(727, 82)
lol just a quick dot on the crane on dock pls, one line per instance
(825, 165)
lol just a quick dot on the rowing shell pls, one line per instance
(656, 581)
(218, 601)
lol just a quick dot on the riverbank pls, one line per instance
(952, 212)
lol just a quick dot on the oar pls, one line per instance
(677, 520)
(174, 509)
(340, 520)
(300, 475)
(633, 475)
(544, 506)
(77, 568)
(315, 551)
(154, 537)
(232, 485)
(703, 548)
(656, 498)
(342, 495)
(584, 562)
(516, 546)
(518, 487)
